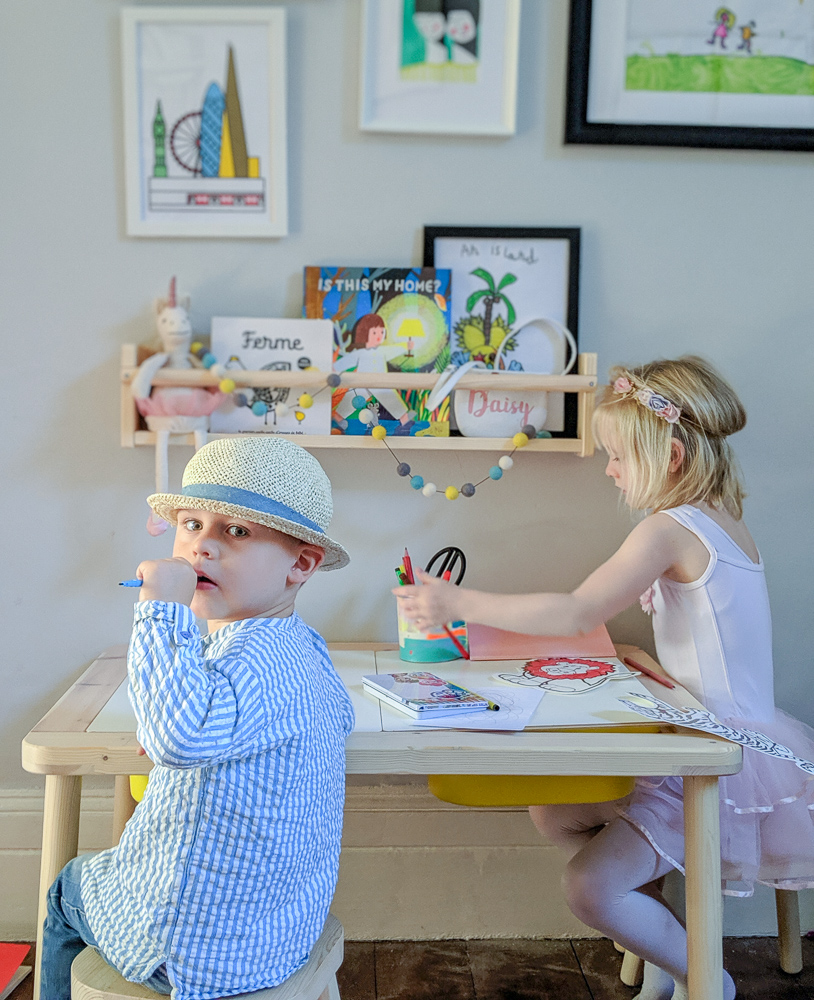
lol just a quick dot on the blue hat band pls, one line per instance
(250, 500)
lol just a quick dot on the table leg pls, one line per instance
(124, 805)
(702, 835)
(60, 843)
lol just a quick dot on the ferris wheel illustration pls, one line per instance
(185, 142)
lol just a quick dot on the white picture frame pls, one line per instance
(211, 80)
(466, 89)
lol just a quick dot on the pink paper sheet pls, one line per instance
(486, 643)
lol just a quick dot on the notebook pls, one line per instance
(419, 694)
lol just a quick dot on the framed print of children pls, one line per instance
(370, 355)
(221, 882)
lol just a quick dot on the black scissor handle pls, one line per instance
(449, 558)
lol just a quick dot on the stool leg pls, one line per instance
(632, 969)
(789, 944)
(619, 947)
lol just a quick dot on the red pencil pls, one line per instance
(408, 567)
(648, 672)
(459, 646)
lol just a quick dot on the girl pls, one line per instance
(664, 426)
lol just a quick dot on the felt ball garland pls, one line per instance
(258, 407)
(378, 432)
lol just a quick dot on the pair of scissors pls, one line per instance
(449, 559)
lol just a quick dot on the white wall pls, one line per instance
(683, 250)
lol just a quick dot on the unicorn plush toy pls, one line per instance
(172, 409)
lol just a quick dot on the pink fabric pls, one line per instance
(180, 401)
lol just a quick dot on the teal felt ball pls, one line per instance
(259, 409)
(359, 402)
(208, 360)
(417, 482)
(496, 472)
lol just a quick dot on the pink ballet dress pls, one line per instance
(714, 636)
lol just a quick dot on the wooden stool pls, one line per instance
(789, 943)
(93, 979)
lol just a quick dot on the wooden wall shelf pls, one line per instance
(584, 384)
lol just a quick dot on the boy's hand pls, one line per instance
(172, 580)
(432, 605)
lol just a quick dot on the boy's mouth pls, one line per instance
(204, 583)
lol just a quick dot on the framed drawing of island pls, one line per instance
(515, 303)
(694, 73)
(205, 121)
(442, 66)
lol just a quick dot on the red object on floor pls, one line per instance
(11, 958)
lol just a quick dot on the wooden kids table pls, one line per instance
(89, 731)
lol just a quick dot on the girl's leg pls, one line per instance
(608, 885)
(65, 934)
(571, 827)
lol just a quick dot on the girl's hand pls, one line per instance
(431, 606)
(173, 580)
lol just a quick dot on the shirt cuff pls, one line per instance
(180, 616)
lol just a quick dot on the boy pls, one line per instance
(222, 879)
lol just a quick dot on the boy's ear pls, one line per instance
(309, 559)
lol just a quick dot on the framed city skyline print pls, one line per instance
(439, 66)
(205, 121)
(695, 73)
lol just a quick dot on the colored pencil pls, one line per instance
(132, 583)
(648, 672)
(408, 567)
(461, 648)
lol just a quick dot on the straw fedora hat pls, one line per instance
(268, 480)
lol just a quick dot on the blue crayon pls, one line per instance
(131, 583)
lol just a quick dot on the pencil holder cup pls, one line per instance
(428, 647)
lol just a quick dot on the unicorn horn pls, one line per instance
(172, 301)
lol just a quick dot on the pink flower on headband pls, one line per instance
(646, 600)
(659, 405)
(622, 384)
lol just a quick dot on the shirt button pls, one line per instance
(185, 634)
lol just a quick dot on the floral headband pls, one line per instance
(652, 400)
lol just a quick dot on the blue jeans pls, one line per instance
(67, 932)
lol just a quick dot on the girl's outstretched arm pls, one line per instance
(651, 549)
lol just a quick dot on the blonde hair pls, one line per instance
(710, 412)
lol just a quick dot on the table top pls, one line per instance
(90, 731)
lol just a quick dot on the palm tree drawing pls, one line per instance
(492, 296)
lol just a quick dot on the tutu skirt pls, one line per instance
(767, 813)
(187, 401)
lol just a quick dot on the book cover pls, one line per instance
(258, 344)
(418, 692)
(487, 643)
(384, 319)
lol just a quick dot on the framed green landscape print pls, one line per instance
(694, 73)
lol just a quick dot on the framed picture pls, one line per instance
(694, 73)
(444, 66)
(205, 121)
(513, 290)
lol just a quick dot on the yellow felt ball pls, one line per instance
(520, 440)
(196, 346)
(306, 401)
(227, 385)
(379, 432)
(451, 493)
(298, 415)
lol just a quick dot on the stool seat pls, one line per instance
(93, 979)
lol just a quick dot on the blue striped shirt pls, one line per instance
(228, 866)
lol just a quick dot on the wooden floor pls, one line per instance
(583, 969)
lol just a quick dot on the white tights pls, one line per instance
(609, 884)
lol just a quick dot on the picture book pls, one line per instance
(385, 319)
(487, 643)
(258, 344)
(419, 694)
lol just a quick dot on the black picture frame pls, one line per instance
(569, 234)
(578, 129)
